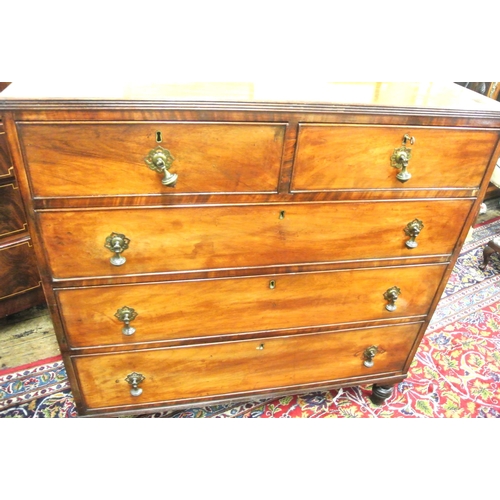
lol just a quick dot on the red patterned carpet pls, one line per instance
(456, 371)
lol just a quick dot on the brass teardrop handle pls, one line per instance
(134, 379)
(369, 354)
(413, 229)
(401, 157)
(126, 314)
(160, 160)
(391, 295)
(117, 243)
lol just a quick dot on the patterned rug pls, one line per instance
(455, 373)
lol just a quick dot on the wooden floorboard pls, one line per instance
(27, 337)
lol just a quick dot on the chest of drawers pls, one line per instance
(20, 286)
(208, 243)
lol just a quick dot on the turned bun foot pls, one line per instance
(380, 394)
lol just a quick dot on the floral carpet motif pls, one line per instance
(455, 373)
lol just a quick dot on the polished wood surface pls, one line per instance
(20, 283)
(291, 184)
(16, 304)
(422, 95)
(6, 169)
(354, 157)
(243, 367)
(12, 215)
(18, 270)
(173, 239)
(108, 159)
(190, 309)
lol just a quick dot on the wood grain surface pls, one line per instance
(5, 161)
(221, 237)
(108, 159)
(204, 308)
(18, 269)
(434, 96)
(213, 369)
(297, 189)
(20, 283)
(12, 215)
(332, 157)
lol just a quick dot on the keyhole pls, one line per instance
(272, 284)
(158, 136)
(282, 214)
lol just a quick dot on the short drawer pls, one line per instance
(18, 271)
(5, 161)
(101, 316)
(12, 215)
(99, 159)
(178, 239)
(337, 157)
(177, 375)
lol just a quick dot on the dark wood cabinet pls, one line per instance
(20, 285)
(488, 89)
(491, 90)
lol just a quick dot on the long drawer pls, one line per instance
(92, 159)
(180, 239)
(187, 373)
(200, 308)
(337, 157)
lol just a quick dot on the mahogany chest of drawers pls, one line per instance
(20, 285)
(206, 243)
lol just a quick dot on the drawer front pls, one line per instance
(201, 308)
(173, 239)
(92, 159)
(181, 374)
(5, 161)
(12, 216)
(340, 157)
(18, 271)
